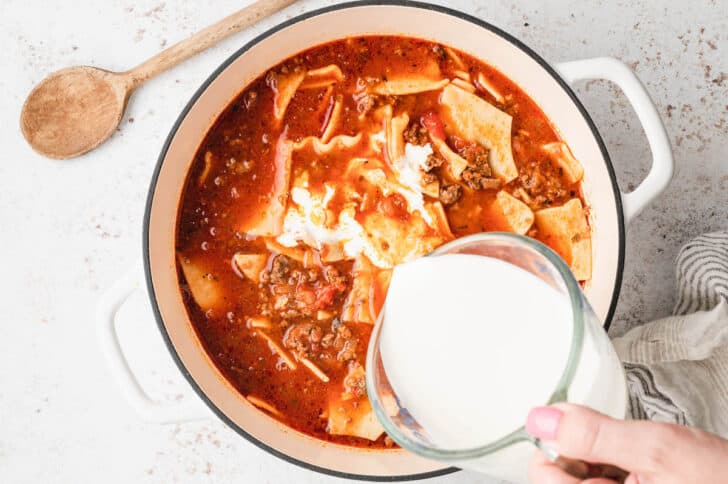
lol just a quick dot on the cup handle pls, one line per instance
(149, 410)
(662, 162)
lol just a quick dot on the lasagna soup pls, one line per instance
(326, 172)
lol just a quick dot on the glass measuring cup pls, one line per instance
(592, 376)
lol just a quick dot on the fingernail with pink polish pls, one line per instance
(543, 422)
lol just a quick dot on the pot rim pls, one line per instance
(203, 87)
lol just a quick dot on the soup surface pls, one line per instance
(326, 172)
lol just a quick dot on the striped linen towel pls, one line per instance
(677, 367)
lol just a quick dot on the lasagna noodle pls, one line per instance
(440, 219)
(516, 213)
(410, 79)
(270, 222)
(395, 137)
(322, 77)
(391, 241)
(464, 85)
(318, 372)
(322, 148)
(206, 169)
(260, 403)
(485, 85)
(456, 164)
(565, 230)
(296, 253)
(462, 75)
(561, 155)
(477, 121)
(257, 322)
(455, 58)
(285, 88)
(354, 418)
(278, 349)
(357, 306)
(203, 285)
(249, 265)
(334, 120)
(407, 85)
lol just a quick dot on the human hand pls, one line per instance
(651, 452)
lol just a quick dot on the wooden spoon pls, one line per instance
(74, 110)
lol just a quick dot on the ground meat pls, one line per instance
(416, 134)
(292, 302)
(344, 341)
(365, 104)
(305, 296)
(334, 277)
(478, 175)
(342, 330)
(282, 302)
(280, 269)
(542, 190)
(298, 276)
(327, 340)
(348, 351)
(294, 292)
(428, 178)
(264, 309)
(355, 380)
(303, 338)
(450, 194)
(476, 180)
(264, 306)
(433, 161)
(477, 157)
(291, 313)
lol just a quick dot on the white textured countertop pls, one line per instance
(69, 229)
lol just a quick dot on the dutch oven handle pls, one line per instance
(149, 410)
(662, 163)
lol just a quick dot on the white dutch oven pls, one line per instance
(547, 85)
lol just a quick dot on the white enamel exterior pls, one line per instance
(360, 20)
(662, 162)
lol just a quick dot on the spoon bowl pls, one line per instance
(74, 110)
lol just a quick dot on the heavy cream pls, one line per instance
(470, 344)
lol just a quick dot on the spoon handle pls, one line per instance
(203, 39)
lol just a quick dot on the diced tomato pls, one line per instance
(325, 295)
(394, 206)
(432, 123)
(457, 143)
